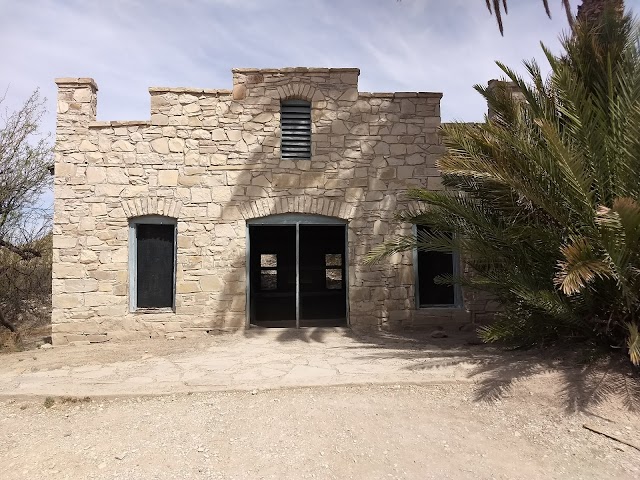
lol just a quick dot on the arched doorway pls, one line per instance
(297, 271)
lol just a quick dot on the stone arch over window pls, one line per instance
(297, 204)
(299, 91)
(164, 207)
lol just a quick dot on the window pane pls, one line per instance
(333, 278)
(333, 260)
(431, 265)
(268, 260)
(155, 265)
(269, 280)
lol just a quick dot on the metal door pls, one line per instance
(297, 271)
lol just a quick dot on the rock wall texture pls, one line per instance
(211, 160)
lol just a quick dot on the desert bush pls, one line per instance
(25, 244)
(25, 285)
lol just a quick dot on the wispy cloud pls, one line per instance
(129, 45)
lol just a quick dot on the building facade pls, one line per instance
(249, 206)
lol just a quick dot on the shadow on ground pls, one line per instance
(496, 370)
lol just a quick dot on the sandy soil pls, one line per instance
(518, 415)
(360, 432)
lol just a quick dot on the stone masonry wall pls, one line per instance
(211, 159)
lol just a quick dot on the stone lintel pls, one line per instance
(193, 90)
(77, 81)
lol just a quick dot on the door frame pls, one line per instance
(297, 219)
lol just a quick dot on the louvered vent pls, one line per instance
(295, 119)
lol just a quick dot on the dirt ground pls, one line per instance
(345, 432)
(504, 415)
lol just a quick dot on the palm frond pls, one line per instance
(543, 198)
(394, 245)
(495, 7)
(580, 267)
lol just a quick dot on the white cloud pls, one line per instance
(129, 45)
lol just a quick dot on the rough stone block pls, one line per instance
(96, 174)
(160, 145)
(286, 180)
(168, 178)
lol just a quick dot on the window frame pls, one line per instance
(457, 291)
(133, 261)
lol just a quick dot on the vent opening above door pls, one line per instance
(295, 128)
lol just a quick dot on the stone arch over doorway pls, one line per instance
(264, 207)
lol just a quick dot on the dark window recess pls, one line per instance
(333, 279)
(155, 265)
(269, 271)
(333, 271)
(269, 280)
(431, 265)
(295, 123)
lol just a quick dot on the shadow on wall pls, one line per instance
(363, 235)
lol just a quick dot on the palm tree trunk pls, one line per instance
(591, 10)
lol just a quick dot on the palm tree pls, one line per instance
(543, 199)
(590, 10)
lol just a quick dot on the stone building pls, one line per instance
(249, 206)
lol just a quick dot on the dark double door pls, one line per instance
(297, 275)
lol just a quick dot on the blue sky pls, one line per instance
(130, 45)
